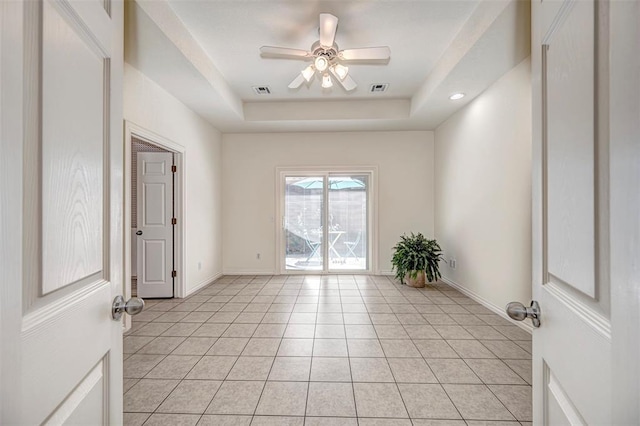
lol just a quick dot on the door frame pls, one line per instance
(372, 216)
(624, 178)
(179, 151)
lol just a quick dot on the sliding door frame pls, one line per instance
(372, 215)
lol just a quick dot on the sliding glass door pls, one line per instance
(325, 222)
(303, 223)
(347, 222)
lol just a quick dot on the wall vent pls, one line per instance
(262, 90)
(378, 88)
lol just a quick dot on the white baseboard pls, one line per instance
(387, 272)
(484, 302)
(245, 272)
(249, 272)
(203, 283)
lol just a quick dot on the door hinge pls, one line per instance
(174, 221)
(174, 274)
(174, 169)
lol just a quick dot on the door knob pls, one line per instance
(133, 306)
(139, 233)
(519, 312)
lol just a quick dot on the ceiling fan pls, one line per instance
(327, 58)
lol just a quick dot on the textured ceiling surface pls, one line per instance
(206, 53)
(231, 33)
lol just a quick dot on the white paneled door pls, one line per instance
(576, 154)
(62, 235)
(155, 228)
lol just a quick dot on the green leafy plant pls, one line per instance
(414, 254)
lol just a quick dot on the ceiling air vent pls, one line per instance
(262, 90)
(379, 88)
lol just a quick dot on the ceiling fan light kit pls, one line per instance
(341, 71)
(327, 57)
(308, 73)
(326, 81)
(321, 63)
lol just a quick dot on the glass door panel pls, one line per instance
(303, 219)
(347, 222)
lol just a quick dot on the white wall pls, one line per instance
(483, 191)
(405, 187)
(152, 108)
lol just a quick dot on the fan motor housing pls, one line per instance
(330, 53)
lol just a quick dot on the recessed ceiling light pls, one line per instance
(456, 96)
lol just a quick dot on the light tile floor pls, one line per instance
(325, 350)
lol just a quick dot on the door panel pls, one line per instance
(83, 403)
(568, 59)
(155, 254)
(72, 155)
(302, 223)
(155, 210)
(572, 348)
(347, 200)
(560, 410)
(64, 362)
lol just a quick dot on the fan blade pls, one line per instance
(297, 82)
(328, 27)
(347, 83)
(284, 52)
(366, 54)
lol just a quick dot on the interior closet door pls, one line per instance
(155, 228)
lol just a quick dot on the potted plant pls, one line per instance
(416, 257)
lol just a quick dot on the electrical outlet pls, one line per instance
(199, 265)
(452, 263)
(258, 256)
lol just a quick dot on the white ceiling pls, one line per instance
(207, 55)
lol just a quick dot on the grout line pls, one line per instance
(234, 363)
(313, 345)
(389, 366)
(240, 287)
(346, 342)
(201, 358)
